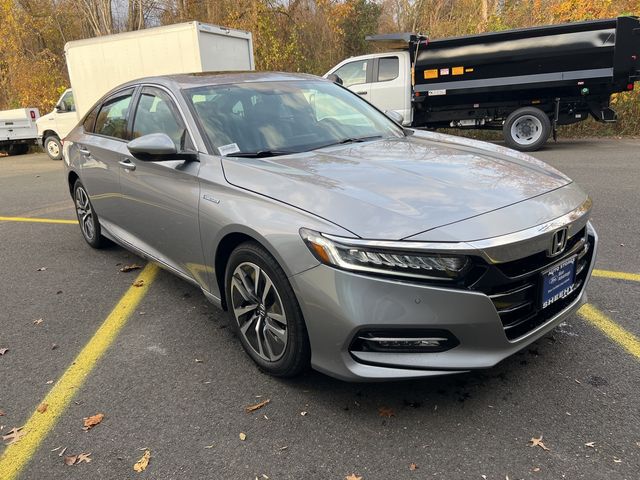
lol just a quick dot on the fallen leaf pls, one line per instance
(283, 448)
(413, 466)
(243, 436)
(257, 406)
(537, 442)
(38, 321)
(304, 414)
(84, 457)
(141, 465)
(536, 469)
(3, 351)
(90, 422)
(138, 283)
(617, 460)
(41, 269)
(49, 382)
(353, 476)
(590, 444)
(198, 360)
(70, 459)
(130, 268)
(54, 346)
(386, 412)
(42, 407)
(14, 435)
(208, 446)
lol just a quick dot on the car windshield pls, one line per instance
(276, 118)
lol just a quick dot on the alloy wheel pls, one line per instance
(258, 309)
(85, 213)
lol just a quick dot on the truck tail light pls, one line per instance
(630, 86)
(33, 114)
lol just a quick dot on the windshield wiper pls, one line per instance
(344, 141)
(259, 154)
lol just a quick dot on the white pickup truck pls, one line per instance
(18, 130)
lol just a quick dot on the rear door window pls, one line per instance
(388, 69)
(113, 115)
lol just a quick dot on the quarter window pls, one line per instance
(156, 113)
(112, 119)
(388, 69)
(89, 122)
(353, 73)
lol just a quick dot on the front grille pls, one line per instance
(515, 288)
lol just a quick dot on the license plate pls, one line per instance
(558, 281)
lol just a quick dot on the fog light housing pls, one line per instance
(404, 341)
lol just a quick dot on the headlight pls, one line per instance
(375, 259)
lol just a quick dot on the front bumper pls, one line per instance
(337, 305)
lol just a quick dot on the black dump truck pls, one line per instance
(525, 82)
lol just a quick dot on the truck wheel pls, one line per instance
(526, 129)
(53, 147)
(18, 149)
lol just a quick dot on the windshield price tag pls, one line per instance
(228, 149)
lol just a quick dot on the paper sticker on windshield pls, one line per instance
(228, 149)
(433, 93)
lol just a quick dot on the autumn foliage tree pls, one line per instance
(289, 35)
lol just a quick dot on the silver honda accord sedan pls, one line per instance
(334, 237)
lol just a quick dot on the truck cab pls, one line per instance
(55, 125)
(383, 79)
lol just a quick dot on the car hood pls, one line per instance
(399, 187)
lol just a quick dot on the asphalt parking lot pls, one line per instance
(176, 382)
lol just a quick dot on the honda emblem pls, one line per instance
(558, 242)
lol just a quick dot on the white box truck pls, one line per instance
(18, 130)
(97, 65)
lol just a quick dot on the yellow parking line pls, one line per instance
(16, 455)
(38, 220)
(611, 329)
(634, 277)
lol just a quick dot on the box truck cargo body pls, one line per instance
(96, 65)
(99, 64)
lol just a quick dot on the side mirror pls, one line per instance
(335, 79)
(395, 116)
(61, 108)
(158, 147)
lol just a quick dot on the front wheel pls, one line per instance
(87, 217)
(265, 312)
(526, 129)
(53, 147)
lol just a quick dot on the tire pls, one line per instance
(279, 348)
(526, 129)
(53, 147)
(87, 217)
(18, 149)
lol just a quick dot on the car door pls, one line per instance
(160, 199)
(103, 144)
(356, 76)
(387, 89)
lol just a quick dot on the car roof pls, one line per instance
(189, 80)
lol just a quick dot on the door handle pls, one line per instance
(83, 151)
(127, 164)
(361, 93)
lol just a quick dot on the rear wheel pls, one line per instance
(53, 147)
(527, 129)
(87, 217)
(265, 312)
